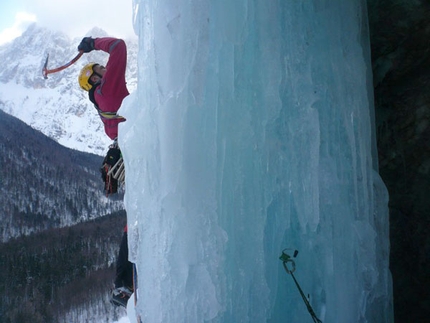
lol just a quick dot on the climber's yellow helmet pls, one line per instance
(84, 76)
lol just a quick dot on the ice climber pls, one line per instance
(107, 89)
(106, 86)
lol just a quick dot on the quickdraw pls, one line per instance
(117, 171)
(290, 267)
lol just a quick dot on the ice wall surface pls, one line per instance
(251, 132)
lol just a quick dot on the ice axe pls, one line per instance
(45, 70)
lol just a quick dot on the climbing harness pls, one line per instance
(290, 268)
(113, 171)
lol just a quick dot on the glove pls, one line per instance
(86, 45)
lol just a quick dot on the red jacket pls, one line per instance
(112, 89)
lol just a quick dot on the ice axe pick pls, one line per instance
(46, 71)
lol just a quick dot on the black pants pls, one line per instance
(124, 268)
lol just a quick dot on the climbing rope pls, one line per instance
(288, 261)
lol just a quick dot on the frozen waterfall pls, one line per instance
(251, 131)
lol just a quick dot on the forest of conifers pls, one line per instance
(57, 271)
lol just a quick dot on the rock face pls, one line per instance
(400, 42)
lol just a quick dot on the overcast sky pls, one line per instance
(74, 17)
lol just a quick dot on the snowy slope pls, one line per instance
(56, 106)
(251, 131)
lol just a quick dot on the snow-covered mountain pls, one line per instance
(56, 106)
